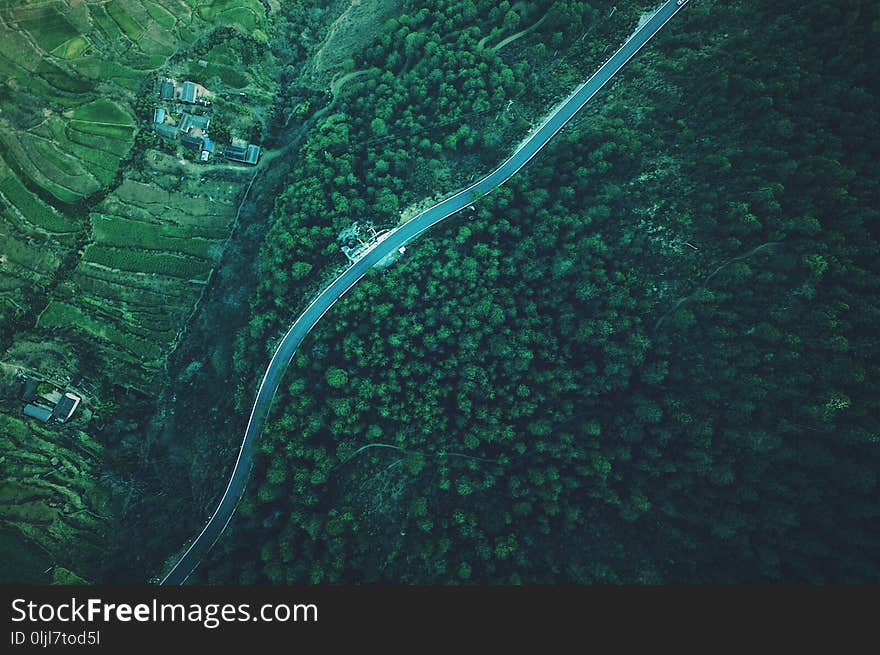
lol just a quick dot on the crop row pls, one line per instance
(144, 261)
(31, 208)
(123, 232)
(62, 315)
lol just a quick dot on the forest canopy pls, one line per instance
(650, 357)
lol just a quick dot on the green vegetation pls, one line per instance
(103, 111)
(162, 16)
(648, 358)
(73, 48)
(161, 263)
(63, 316)
(50, 501)
(30, 208)
(106, 247)
(24, 563)
(117, 231)
(125, 21)
(46, 25)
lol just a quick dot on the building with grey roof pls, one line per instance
(166, 131)
(166, 90)
(236, 153)
(191, 142)
(188, 93)
(38, 412)
(189, 121)
(28, 389)
(248, 154)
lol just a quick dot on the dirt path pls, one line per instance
(80, 120)
(709, 277)
(337, 84)
(513, 37)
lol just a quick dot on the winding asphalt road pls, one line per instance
(393, 240)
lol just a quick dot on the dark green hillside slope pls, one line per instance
(651, 357)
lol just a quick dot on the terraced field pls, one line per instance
(48, 492)
(106, 246)
(137, 281)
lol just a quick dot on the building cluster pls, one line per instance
(179, 116)
(44, 401)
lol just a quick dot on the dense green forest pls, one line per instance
(650, 357)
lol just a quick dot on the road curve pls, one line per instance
(396, 238)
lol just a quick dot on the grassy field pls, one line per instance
(156, 263)
(218, 59)
(103, 111)
(73, 48)
(125, 232)
(127, 24)
(23, 561)
(161, 15)
(62, 315)
(48, 27)
(151, 250)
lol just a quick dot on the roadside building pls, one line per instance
(38, 412)
(65, 407)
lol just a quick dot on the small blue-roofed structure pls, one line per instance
(208, 145)
(159, 115)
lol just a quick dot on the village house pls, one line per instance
(167, 131)
(188, 93)
(189, 121)
(192, 142)
(65, 407)
(246, 154)
(193, 93)
(48, 404)
(38, 412)
(166, 90)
